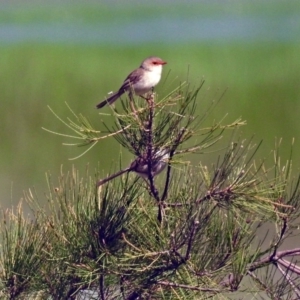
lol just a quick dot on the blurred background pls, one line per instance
(52, 52)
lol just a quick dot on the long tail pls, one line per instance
(110, 100)
(102, 181)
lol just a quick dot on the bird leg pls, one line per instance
(131, 102)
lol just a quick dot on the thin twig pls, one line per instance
(291, 266)
(102, 293)
(191, 240)
(271, 258)
(267, 290)
(289, 279)
(172, 152)
(281, 235)
(189, 287)
(151, 150)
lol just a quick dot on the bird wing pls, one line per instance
(130, 80)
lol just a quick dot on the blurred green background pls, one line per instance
(52, 52)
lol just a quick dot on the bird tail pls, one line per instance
(102, 181)
(109, 100)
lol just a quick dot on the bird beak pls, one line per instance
(163, 63)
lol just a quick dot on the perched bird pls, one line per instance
(159, 160)
(141, 80)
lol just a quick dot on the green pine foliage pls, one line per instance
(190, 232)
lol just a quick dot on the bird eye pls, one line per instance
(155, 62)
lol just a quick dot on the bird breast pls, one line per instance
(147, 82)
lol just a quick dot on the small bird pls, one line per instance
(141, 80)
(159, 160)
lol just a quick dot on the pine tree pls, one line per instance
(162, 228)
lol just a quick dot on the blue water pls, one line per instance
(165, 27)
